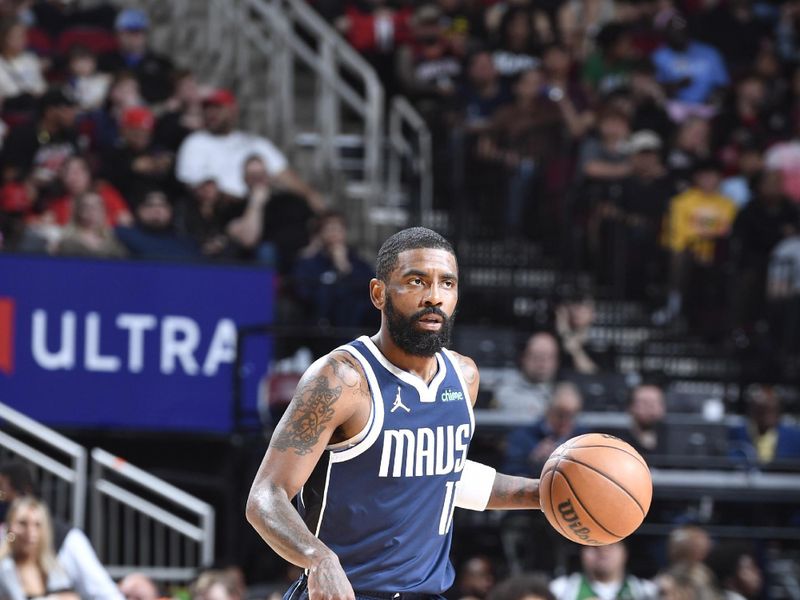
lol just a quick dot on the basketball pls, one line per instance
(595, 489)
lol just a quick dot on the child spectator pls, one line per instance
(699, 221)
(89, 87)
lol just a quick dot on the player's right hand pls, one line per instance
(327, 580)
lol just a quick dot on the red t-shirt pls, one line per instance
(61, 209)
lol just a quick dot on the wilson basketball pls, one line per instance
(595, 489)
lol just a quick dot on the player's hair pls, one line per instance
(412, 238)
(20, 477)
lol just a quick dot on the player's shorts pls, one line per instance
(299, 591)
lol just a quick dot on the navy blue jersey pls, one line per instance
(383, 501)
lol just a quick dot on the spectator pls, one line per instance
(89, 87)
(88, 233)
(376, 28)
(740, 185)
(54, 17)
(527, 391)
(558, 69)
(687, 548)
(39, 149)
(216, 585)
(182, 112)
(604, 159)
(699, 220)
(691, 71)
(153, 234)
(138, 586)
(104, 125)
(152, 70)
(74, 551)
(735, 30)
(270, 225)
(205, 217)
(603, 576)
(219, 152)
(649, 102)
(475, 579)
(574, 317)
(640, 209)
(784, 270)
(518, 48)
(137, 161)
(428, 67)
(758, 228)
(522, 137)
(21, 79)
(603, 164)
(481, 95)
(785, 157)
(28, 565)
(746, 121)
(76, 180)
(736, 571)
(688, 544)
(522, 587)
(647, 410)
(611, 65)
(331, 279)
(528, 447)
(692, 144)
(763, 437)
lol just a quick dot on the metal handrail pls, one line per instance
(74, 475)
(403, 114)
(204, 534)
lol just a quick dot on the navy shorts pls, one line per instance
(299, 591)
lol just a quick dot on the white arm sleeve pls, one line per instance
(475, 488)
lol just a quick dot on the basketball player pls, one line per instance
(374, 445)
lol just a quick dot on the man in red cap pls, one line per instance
(137, 161)
(220, 152)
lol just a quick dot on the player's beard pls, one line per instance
(410, 339)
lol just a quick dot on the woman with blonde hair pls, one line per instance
(88, 233)
(28, 565)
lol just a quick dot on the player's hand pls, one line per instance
(327, 580)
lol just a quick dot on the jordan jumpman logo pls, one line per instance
(398, 403)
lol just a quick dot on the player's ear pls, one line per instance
(377, 293)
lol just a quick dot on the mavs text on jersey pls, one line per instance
(383, 500)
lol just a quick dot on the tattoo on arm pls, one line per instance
(311, 409)
(468, 369)
(514, 492)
